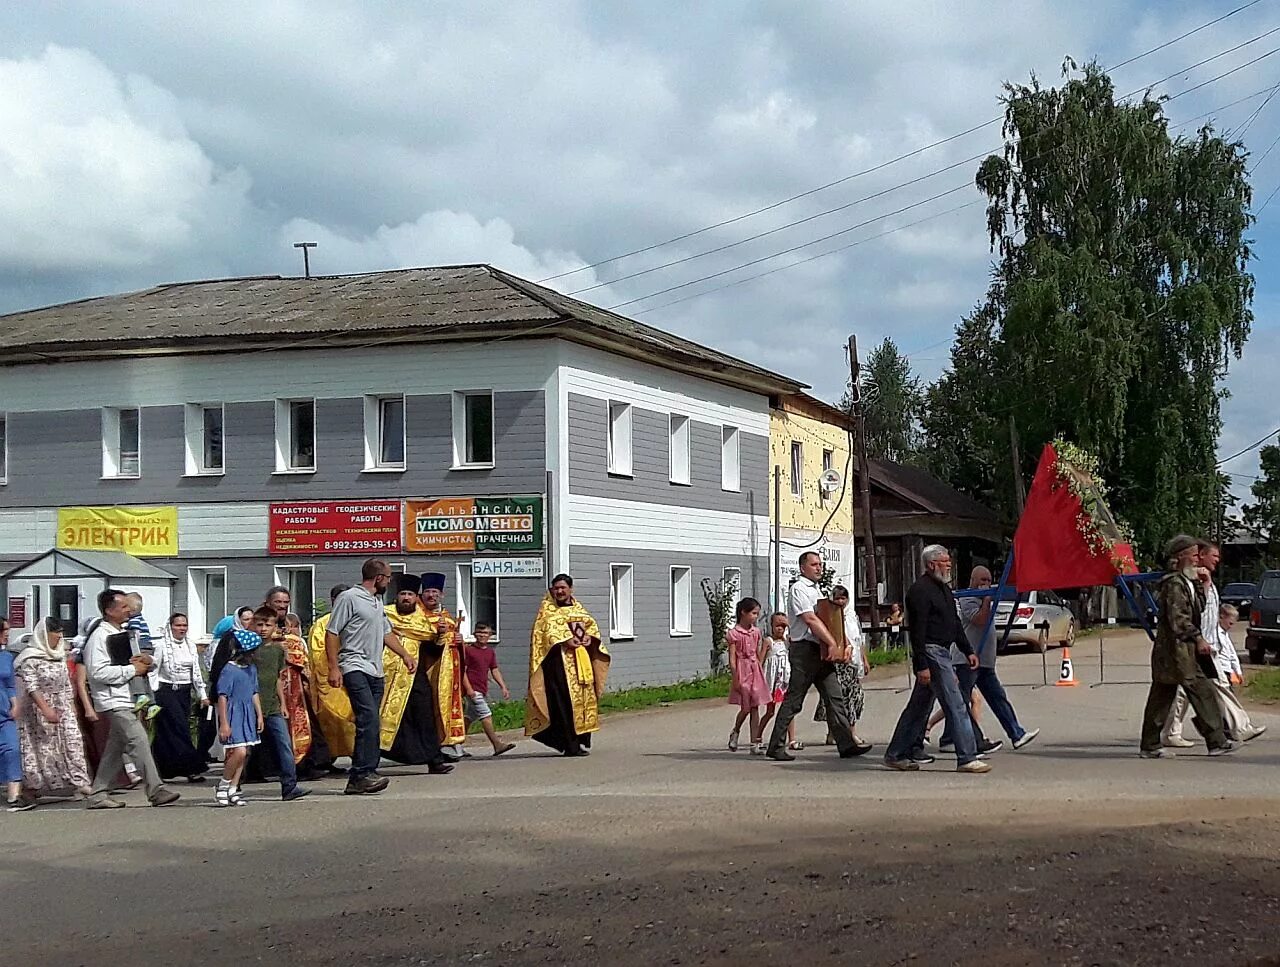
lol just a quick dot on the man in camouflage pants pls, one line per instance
(1173, 656)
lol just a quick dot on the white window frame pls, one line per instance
(4, 448)
(463, 599)
(112, 458)
(618, 424)
(680, 446)
(680, 611)
(460, 430)
(622, 601)
(197, 605)
(284, 435)
(373, 462)
(828, 463)
(796, 476)
(730, 458)
(193, 434)
(282, 579)
(736, 573)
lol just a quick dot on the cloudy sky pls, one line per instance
(150, 142)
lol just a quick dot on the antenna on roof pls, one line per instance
(306, 258)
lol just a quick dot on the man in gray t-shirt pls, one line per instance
(358, 631)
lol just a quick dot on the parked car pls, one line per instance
(1035, 609)
(1264, 619)
(1241, 595)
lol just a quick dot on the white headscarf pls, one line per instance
(36, 646)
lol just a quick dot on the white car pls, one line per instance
(1035, 610)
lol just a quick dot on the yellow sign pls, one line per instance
(140, 531)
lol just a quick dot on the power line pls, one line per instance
(874, 168)
(1251, 446)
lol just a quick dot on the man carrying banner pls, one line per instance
(411, 723)
(568, 665)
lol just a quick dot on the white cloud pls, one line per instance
(98, 171)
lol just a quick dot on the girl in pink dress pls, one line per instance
(749, 691)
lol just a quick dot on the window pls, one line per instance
(730, 464)
(473, 430)
(203, 432)
(384, 427)
(295, 436)
(618, 451)
(477, 600)
(732, 578)
(301, 582)
(680, 455)
(389, 596)
(4, 448)
(206, 599)
(681, 601)
(828, 457)
(121, 433)
(620, 601)
(797, 469)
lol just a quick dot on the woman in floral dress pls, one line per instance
(53, 760)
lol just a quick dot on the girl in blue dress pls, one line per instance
(239, 714)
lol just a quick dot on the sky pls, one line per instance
(143, 143)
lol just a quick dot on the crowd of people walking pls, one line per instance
(398, 681)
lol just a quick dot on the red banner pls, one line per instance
(334, 527)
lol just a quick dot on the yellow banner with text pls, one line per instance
(140, 531)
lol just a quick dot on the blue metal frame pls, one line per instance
(998, 591)
(1148, 609)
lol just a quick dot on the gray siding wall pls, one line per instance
(651, 462)
(654, 656)
(55, 457)
(249, 578)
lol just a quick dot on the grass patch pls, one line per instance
(1264, 686)
(510, 715)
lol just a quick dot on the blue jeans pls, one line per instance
(968, 678)
(943, 686)
(365, 693)
(277, 733)
(992, 690)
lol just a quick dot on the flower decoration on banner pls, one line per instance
(1077, 469)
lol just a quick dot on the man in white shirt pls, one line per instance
(809, 636)
(109, 690)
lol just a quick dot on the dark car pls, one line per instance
(1241, 595)
(1264, 619)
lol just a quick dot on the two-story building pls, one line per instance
(224, 436)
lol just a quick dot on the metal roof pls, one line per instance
(111, 564)
(460, 302)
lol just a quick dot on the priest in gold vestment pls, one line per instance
(568, 666)
(333, 716)
(412, 723)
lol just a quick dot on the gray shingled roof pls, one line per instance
(461, 302)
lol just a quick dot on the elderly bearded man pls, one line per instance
(410, 724)
(568, 665)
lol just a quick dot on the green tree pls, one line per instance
(1263, 515)
(1119, 294)
(893, 398)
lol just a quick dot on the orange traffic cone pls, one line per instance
(1067, 676)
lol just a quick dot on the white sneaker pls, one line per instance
(1257, 731)
(975, 767)
(1027, 738)
(1178, 743)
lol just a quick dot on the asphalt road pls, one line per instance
(665, 848)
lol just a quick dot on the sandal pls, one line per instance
(795, 746)
(733, 741)
(222, 797)
(237, 797)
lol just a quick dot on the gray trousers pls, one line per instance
(127, 738)
(808, 668)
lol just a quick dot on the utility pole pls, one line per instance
(306, 259)
(777, 539)
(864, 480)
(1019, 487)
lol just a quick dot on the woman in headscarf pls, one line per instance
(174, 677)
(53, 759)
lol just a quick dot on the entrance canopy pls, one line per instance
(115, 565)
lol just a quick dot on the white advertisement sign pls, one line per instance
(507, 567)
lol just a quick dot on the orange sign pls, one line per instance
(453, 525)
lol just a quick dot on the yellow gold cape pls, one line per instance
(331, 705)
(444, 673)
(586, 665)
